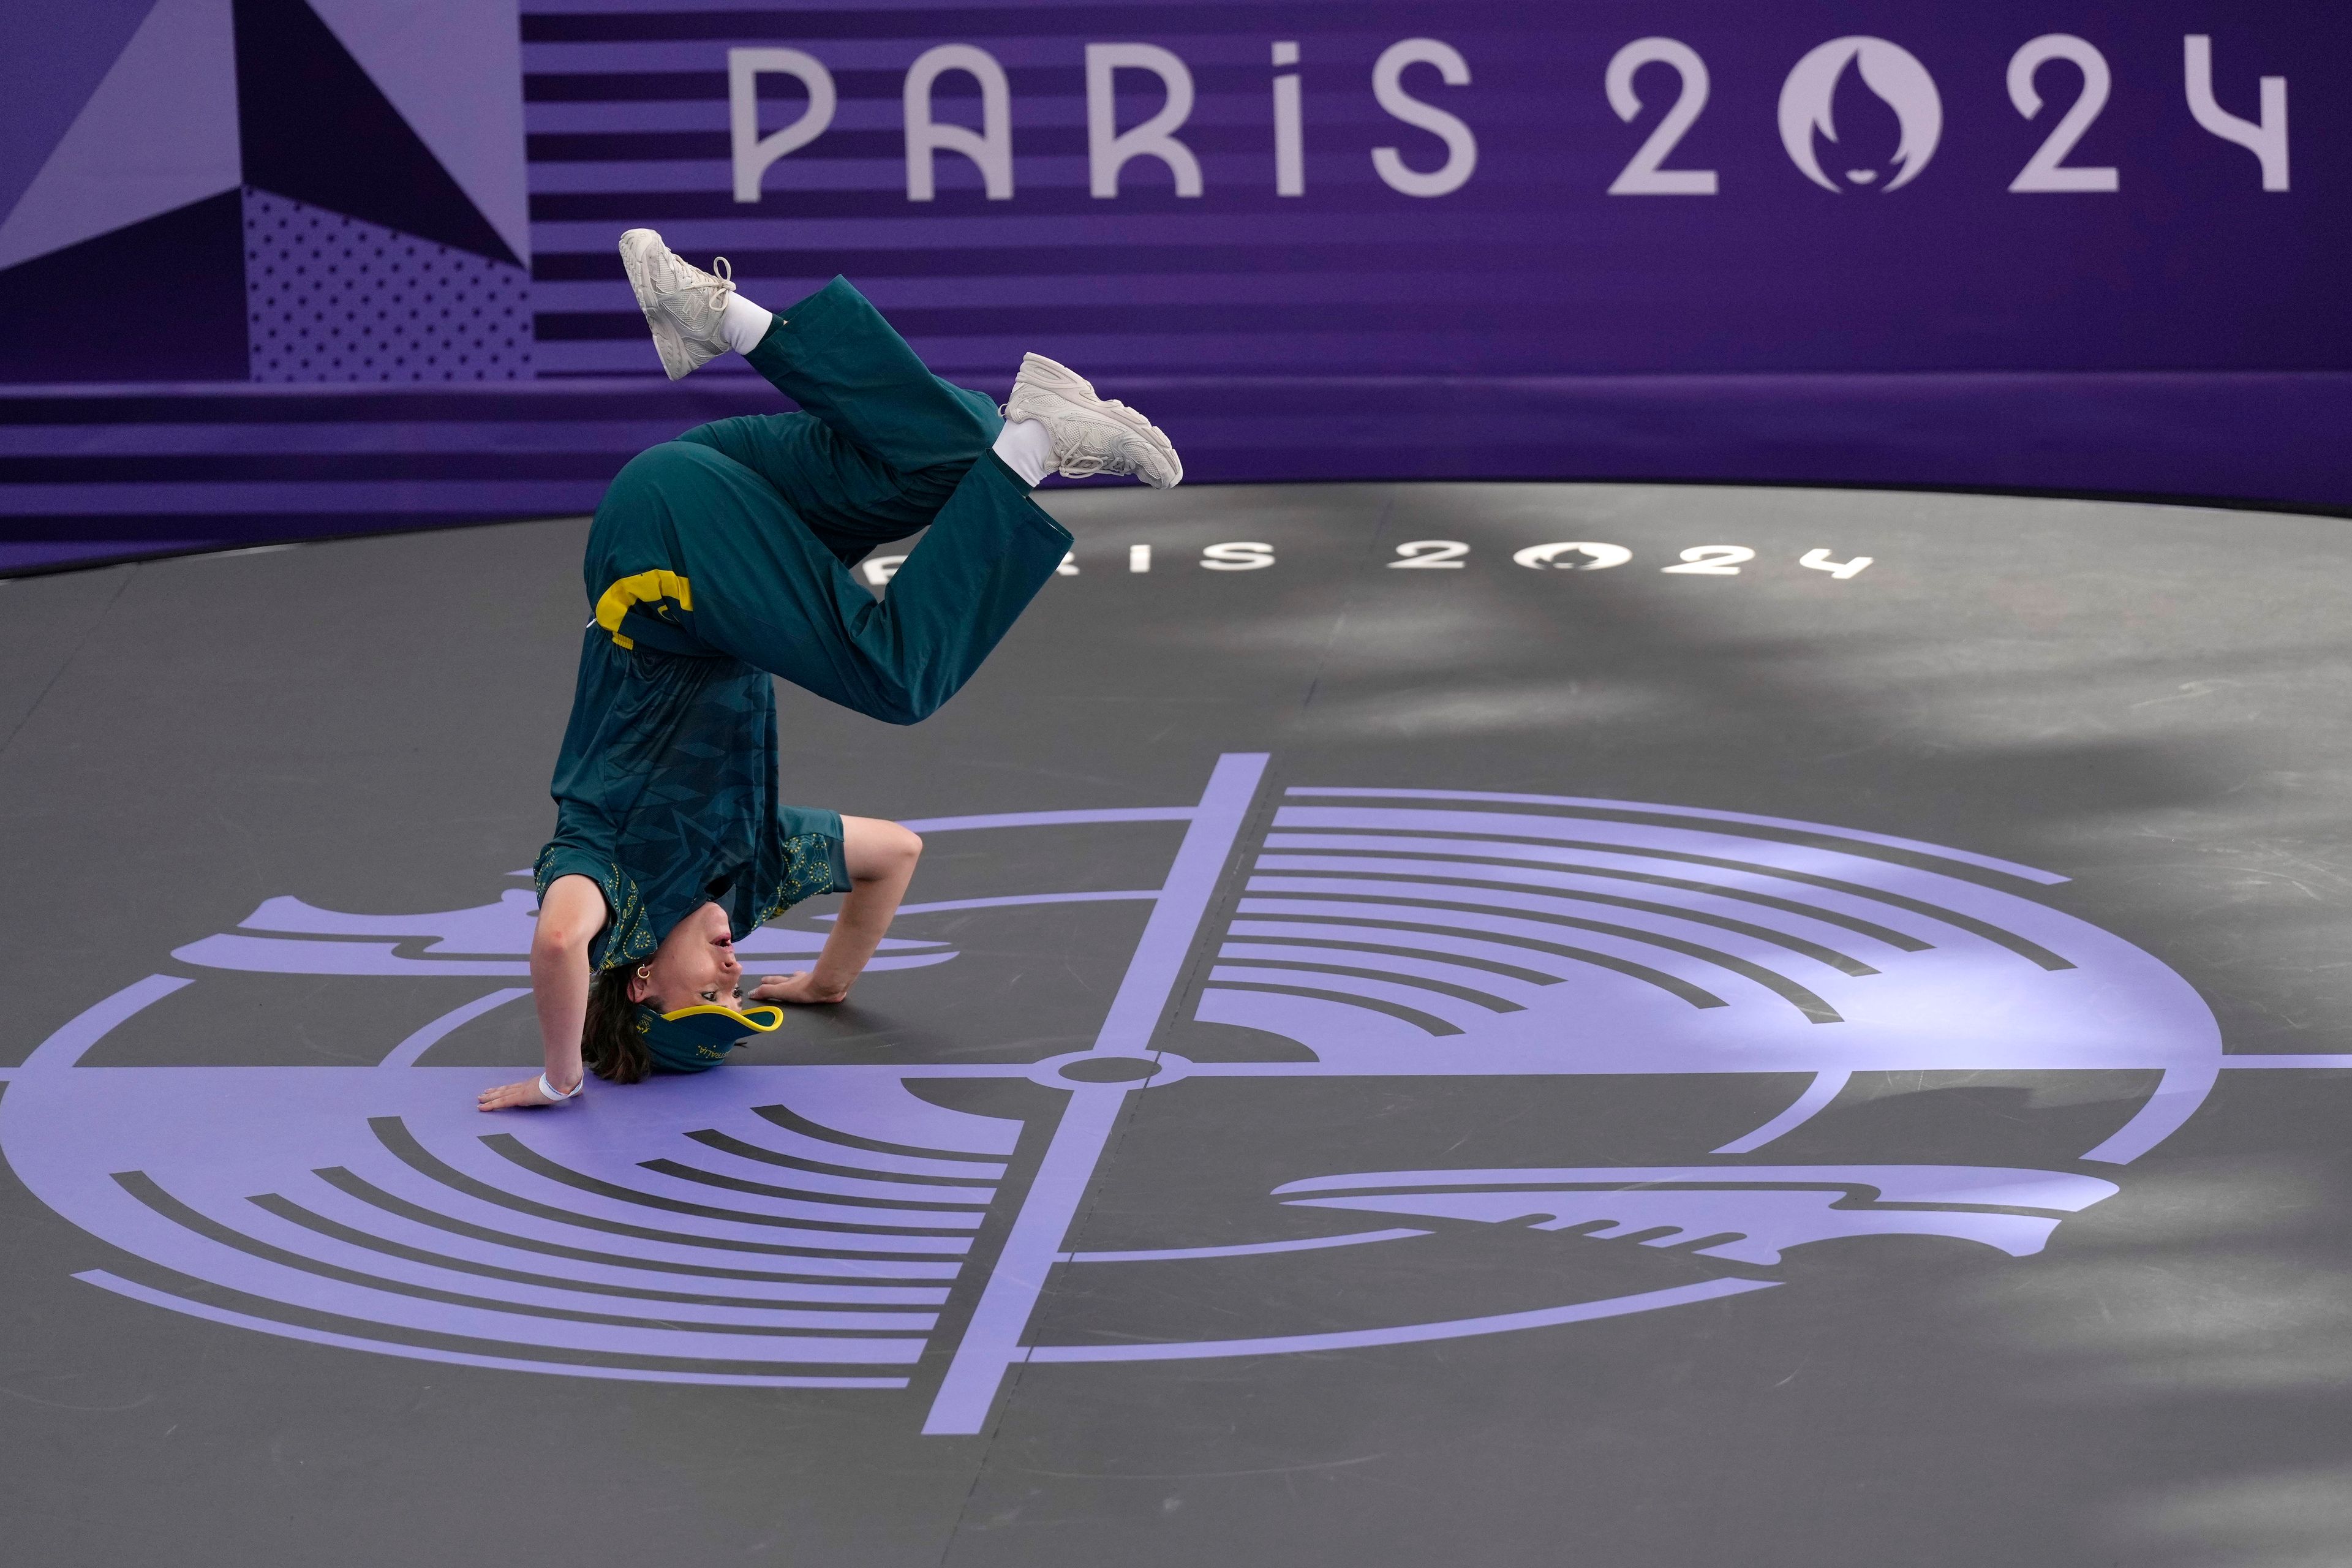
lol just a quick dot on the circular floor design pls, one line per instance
(1405, 981)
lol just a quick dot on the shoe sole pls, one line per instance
(1054, 379)
(638, 257)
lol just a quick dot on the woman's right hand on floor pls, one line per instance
(509, 1096)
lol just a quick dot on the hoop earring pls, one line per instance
(645, 972)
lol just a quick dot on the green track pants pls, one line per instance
(736, 539)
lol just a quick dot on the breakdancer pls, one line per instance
(722, 558)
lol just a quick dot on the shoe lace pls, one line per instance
(1083, 448)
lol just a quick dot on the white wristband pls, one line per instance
(547, 1090)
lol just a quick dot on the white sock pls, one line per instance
(1026, 449)
(744, 324)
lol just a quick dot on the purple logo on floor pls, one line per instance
(808, 1226)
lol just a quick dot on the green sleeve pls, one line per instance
(627, 937)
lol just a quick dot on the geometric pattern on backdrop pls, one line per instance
(331, 298)
(413, 129)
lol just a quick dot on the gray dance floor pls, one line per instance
(1408, 1046)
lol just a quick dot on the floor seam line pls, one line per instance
(1347, 604)
(67, 663)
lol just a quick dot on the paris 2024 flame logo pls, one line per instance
(1889, 70)
(820, 1225)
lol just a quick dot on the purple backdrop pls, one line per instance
(283, 269)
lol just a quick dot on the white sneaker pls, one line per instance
(1091, 436)
(684, 305)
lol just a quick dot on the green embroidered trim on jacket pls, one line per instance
(808, 872)
(627, 936)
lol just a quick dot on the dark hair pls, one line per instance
(609, 1042)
